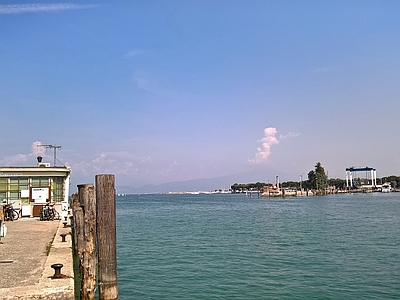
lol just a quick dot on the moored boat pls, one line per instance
(386, 187)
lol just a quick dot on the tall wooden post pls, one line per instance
(106, 237)
(87, 199)
(78, 242)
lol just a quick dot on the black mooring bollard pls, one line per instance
(63, 235)
(57, 270)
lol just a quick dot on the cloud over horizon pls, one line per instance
(267, 141)
(136, 52)
(41, 7)
(18, 159)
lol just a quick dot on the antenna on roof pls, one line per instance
(55, 147)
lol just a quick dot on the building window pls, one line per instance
(23, 184)
(24, 189)
(14, 184)
(3, 189)
(19, 188)
(35, 181)
(3, 197)
(14, 195)
(57, 189)
(40, 181)
(44, 181)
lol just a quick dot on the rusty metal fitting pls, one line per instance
(63, 235)
(57, 270)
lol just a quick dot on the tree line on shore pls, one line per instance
(317, 180)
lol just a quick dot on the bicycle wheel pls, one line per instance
(8, 216)
(14, 215)
(51, 215)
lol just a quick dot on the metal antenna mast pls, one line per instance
(55, 151)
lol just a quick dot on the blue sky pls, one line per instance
(160, 91)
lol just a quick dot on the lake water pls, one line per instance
(233, 247)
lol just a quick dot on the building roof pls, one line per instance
(34, 171)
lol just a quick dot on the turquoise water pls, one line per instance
(233, 247)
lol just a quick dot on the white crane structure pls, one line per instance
(350, 175)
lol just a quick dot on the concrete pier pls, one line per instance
(25, 267)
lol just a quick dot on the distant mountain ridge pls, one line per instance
(201, 184)
(204, 184)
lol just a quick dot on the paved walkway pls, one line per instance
(25, 267)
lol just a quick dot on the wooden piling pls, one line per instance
(87, 199)
(77, 241)
(106, 237)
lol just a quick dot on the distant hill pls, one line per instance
(205, 184)
(201, 184)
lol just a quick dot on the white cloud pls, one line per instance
(41, 7)
(267, 141)
(119, 163)
(150, 83)
(14, 160)
(157, 82)
(37, 149)
(142, 80)
(324, 70)
(173, 166)
(289, 135)
(19, 159)
(136, 52)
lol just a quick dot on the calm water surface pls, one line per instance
(233, 247)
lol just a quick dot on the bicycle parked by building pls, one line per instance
(49, 213)
(10, 214)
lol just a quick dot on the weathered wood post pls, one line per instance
(87, 199)
(78, 243)
(106, 237)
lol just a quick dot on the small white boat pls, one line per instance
(386, 187)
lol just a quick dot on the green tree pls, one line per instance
(291, 184)
(318, 179)
(337, 182)
(311, 180)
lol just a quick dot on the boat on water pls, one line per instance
(386, 187)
